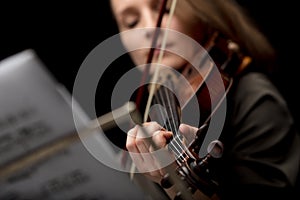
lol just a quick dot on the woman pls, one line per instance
(261, 146)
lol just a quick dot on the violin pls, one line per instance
(173, 94)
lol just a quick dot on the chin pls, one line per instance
(175, 62)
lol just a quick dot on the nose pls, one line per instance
(150, 18)
(150, 22)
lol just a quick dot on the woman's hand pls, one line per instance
(142, 147)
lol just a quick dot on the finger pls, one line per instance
(143, 145)
(161, 138)
(132, 148)
(159, 151)
(151, 127)
(142, 142)
(144, 135)
(189, 132)
(187, 129)
(130, 140)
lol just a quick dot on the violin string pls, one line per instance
(165, 115)
(178, 149)
(175, 126)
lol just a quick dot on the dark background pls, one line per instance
(64, 32)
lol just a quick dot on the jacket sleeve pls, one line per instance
(263, 158)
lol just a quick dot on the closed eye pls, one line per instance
(129, 18)
(131, 24)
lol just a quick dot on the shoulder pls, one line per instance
(255, 94)
(255, 85)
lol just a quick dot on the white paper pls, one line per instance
(36, 110)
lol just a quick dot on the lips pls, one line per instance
(157, 51)
(159, 47)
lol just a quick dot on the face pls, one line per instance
(137, 14)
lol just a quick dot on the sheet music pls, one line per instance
(36, 110)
